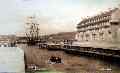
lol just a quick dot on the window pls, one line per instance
(87, 37)
(101, 35)
(109, 31)
(114, 23)
(94, 36)
(82, 37)
(5, 45)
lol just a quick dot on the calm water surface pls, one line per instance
(79, 64)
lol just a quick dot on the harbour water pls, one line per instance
(72, 63)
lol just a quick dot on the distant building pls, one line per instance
(7, 40)
(104, 27)
(66, 37)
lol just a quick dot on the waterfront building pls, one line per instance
(7, 40)
(104, 27)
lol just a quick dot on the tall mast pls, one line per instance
(32, 30)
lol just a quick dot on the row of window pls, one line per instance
(93, 24)
(98, 26)
(94, 36)
(94, 29)
(96, 19)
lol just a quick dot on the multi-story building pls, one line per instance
(104, 27)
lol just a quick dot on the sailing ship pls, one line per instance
(32, 30)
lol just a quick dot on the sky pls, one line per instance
(53, 15)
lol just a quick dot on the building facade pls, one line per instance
(7, 40)
(104, 27)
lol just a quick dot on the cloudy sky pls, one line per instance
(53, 15)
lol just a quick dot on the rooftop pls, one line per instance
(107, 13)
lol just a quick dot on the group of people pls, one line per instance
(55, 60)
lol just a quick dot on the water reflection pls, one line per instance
(72, 63)
(92, 64)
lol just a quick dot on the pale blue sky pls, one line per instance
(53, 15)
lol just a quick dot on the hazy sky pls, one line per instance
(53, 15)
